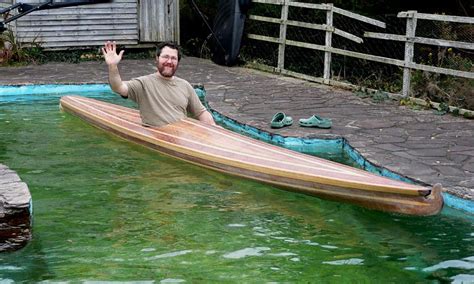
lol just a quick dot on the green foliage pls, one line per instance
(469, 115)
(141, 53)
(408, 102)
(14, 52)
(71, 56)
(377, 96)
(445, 89)
(83, 55)
(450, 90)
(443, 109)
(193, 31)
(456, 112)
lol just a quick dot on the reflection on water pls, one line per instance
(108, 210)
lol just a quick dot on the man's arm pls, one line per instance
(206, 117)
(113, 59)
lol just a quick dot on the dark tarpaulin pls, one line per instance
(228, 30)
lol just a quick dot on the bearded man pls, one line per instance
(162, 97)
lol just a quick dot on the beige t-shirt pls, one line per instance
(163, 101)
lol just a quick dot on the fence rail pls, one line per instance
(410, 39)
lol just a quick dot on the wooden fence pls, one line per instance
(409, 38)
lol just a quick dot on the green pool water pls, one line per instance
(109, 210)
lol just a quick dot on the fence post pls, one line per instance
(409, 50)
(283, 25)
(328, 44)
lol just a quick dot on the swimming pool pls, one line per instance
(109, 210)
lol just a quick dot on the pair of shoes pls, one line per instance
(315, 121)
(280, 120)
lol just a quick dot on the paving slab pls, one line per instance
(416, 143)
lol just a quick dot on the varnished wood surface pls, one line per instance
(226, 151)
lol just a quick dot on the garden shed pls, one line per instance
(128, 22)
(4, 3)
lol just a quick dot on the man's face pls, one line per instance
(167, 62)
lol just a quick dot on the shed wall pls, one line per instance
(5, 3)
(81, 26)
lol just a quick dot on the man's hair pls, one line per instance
(172, 45)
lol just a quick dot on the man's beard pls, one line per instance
(167, 72)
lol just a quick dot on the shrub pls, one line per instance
(14, 52)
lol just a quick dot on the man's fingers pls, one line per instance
(109, 46)
(121, 52)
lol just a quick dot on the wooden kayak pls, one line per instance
(225, 151)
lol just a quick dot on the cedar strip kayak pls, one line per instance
(225, 151)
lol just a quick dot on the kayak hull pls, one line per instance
(225, 151)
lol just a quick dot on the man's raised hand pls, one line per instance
(110, 53)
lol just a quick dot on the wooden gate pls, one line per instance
(159, 20)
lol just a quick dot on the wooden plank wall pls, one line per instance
(81, 26)
(159, 20)
(5, 3)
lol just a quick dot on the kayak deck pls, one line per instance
(229, 152)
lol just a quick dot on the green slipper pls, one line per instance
(280, 120)
(316, 121)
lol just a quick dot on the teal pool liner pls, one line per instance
(13, 94)
(458, 203)
(18, 90)
(300, 144)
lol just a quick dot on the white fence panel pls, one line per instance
(409, 38)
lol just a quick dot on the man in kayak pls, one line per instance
(161, 97)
